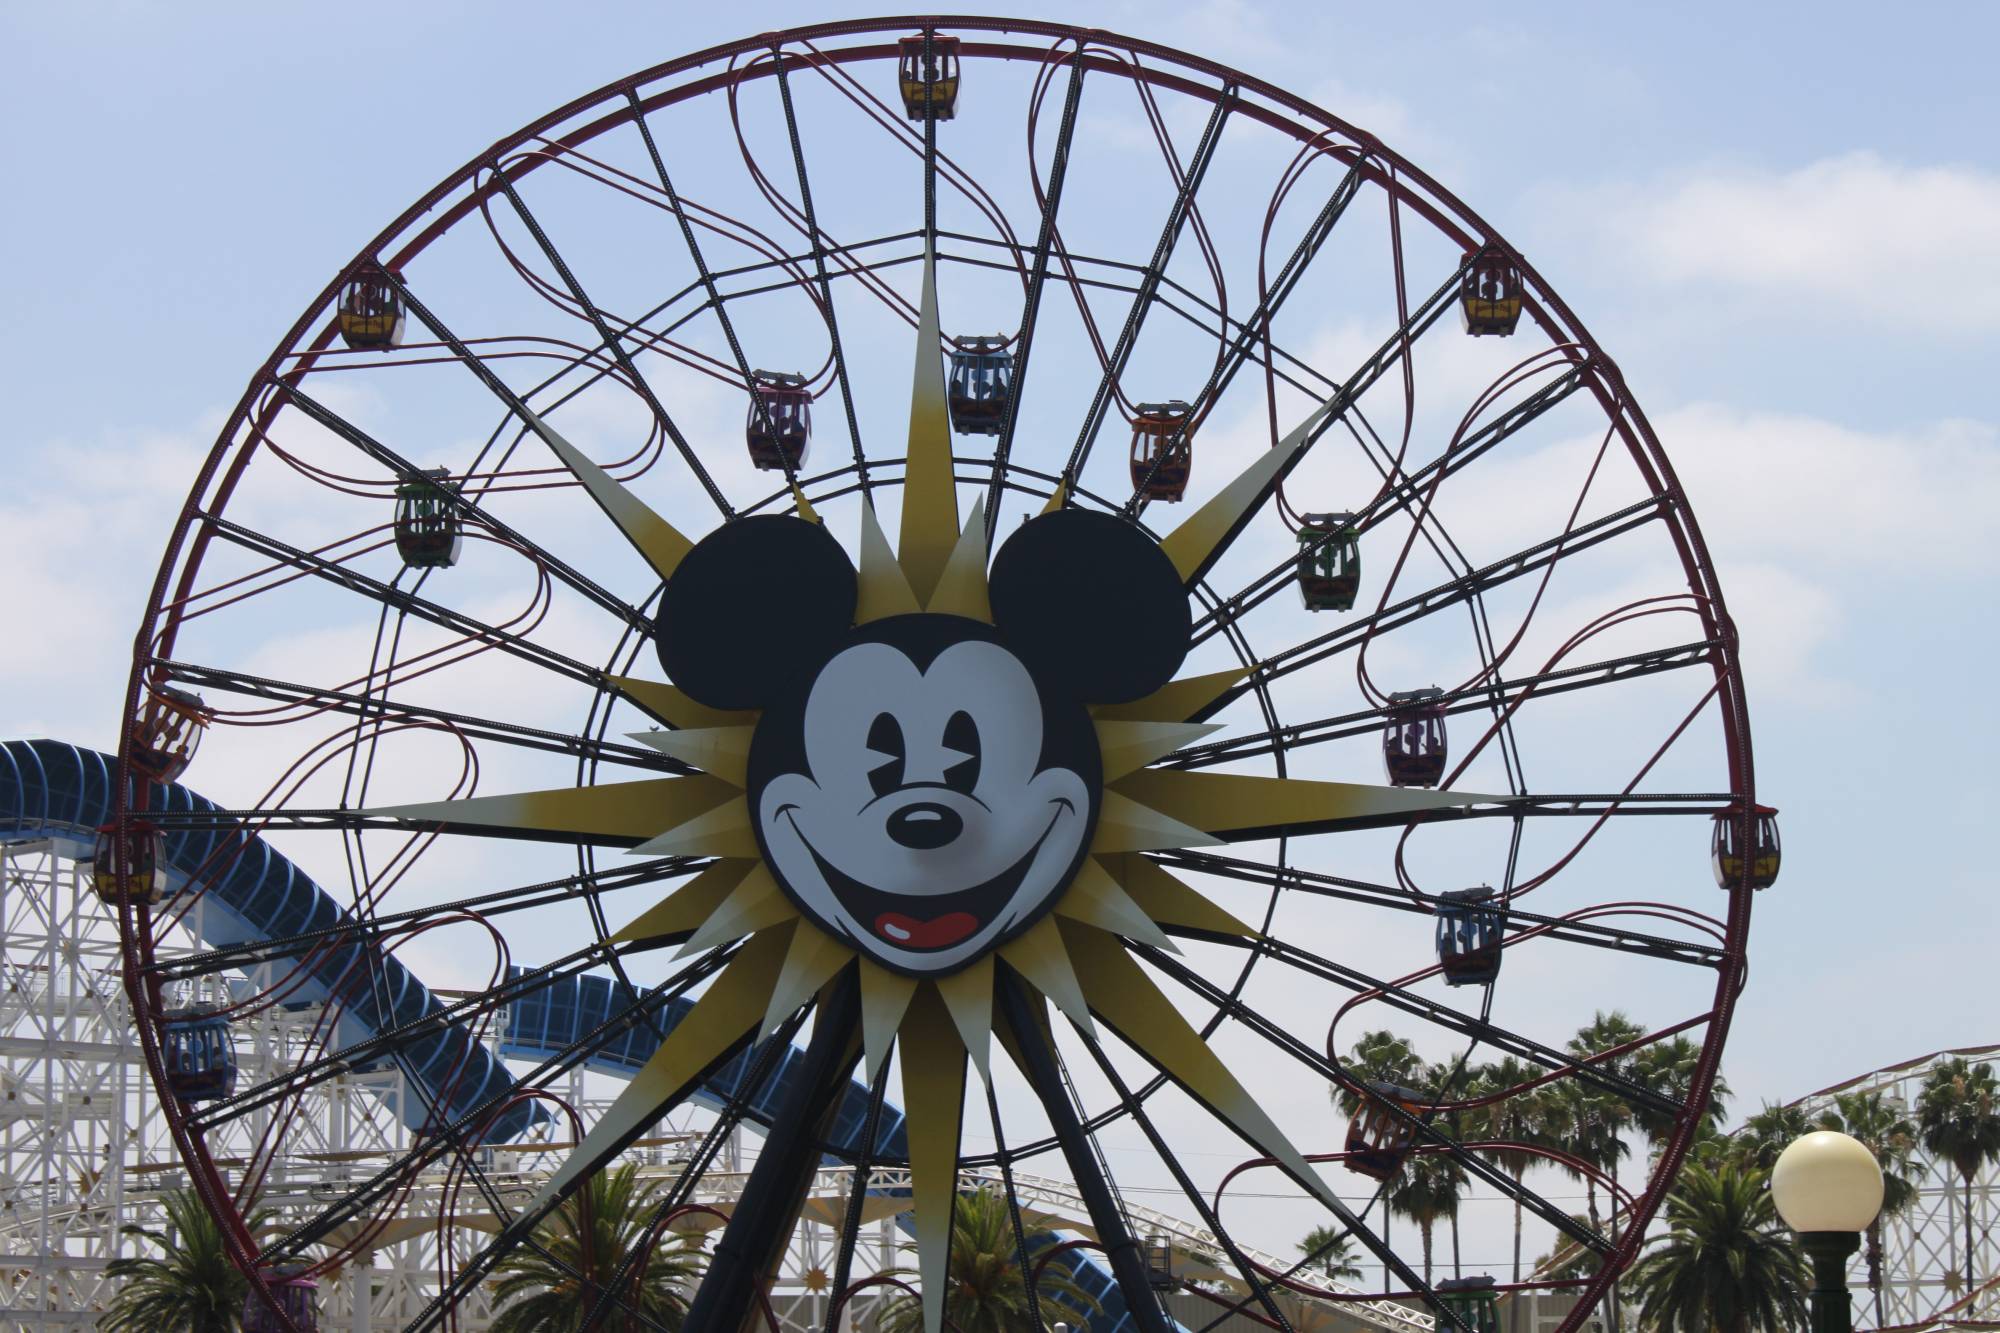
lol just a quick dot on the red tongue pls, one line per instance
(911, 933)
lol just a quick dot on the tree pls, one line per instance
(1725, 1263)
(1427, 1191)
(1329, 1254)
(985, 1290)
(1766, 1134)
(193, 1287)
(1883, 1129)
(552, 1286)
(1668, 1068)
(1378, 1057)
(1516, 1119)
(1960, 1122)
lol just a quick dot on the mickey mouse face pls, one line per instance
(924, 787)
(923, 797)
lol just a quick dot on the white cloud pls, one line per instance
(1915, 245)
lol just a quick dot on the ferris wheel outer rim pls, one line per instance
(1441, 209)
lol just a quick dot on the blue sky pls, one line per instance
(1783, 222)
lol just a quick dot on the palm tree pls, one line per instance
(1766, 1134)
(1881, 1127)
(1378, 1057)
(552, 1286)
(1426, 1191)
(193, 1287)
(1960, 1122)
(1668, 1068)
(1517, 1119)
(1725, 1262)
(1329, 1254)
(985, 1290)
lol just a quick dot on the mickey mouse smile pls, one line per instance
(950, 918)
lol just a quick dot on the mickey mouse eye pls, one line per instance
(885, 743)
(961, 736)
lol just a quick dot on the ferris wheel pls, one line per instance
(979, 566)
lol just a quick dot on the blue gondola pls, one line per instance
(982, 381)
(1470, 931)
(199, 1055)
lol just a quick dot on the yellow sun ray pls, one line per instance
(688, 906)
(673, 707)
(731, 1007)
(1162, 896)
(961, 588)
(803, 505)
(930, 494)
(651, 536)
(1124, 825)
(723, 831)
(810, 962)
(933, 1105)
(1130, 1004)
(722, 752)
(1207, 532)
(1096, 899)
(883, 589)
(756, 903)
(1181, 700)
(1039, 956)
(885, 998)
(1057, 498)
(968, 995)
(617, 814)
(1128, 747)
(1246, 807)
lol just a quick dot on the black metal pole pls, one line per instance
(1128, 1265)
(1832, 1307)
(762, 1220)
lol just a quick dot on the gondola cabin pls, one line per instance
(1160, 1263)
(371, 312)
(199, 1056)
(1745, 842)
(130, 866)
(929, 85)
(1471, 930)
(1162, 450)
(982, 378)
(1472, 1301)
(1413, 738)
(1329, 562)
(1377, 1137)
(427, 525)
(167, 733)
(289, 1286)
(779, 427)
(1489, 295)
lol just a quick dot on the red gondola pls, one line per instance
(929, 88)
(167, 733)
(1413, 739)
(1738, 836)
(1160, 461)
(289, 1287)
(131, 867)
(779, 427)
(371, 313)
(1377, 1138)
(1490, 294)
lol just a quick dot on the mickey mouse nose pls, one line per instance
(925, 826)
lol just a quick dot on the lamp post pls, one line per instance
(1828, 1188)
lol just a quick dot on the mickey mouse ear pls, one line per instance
(752, 606)
(1090, 601)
